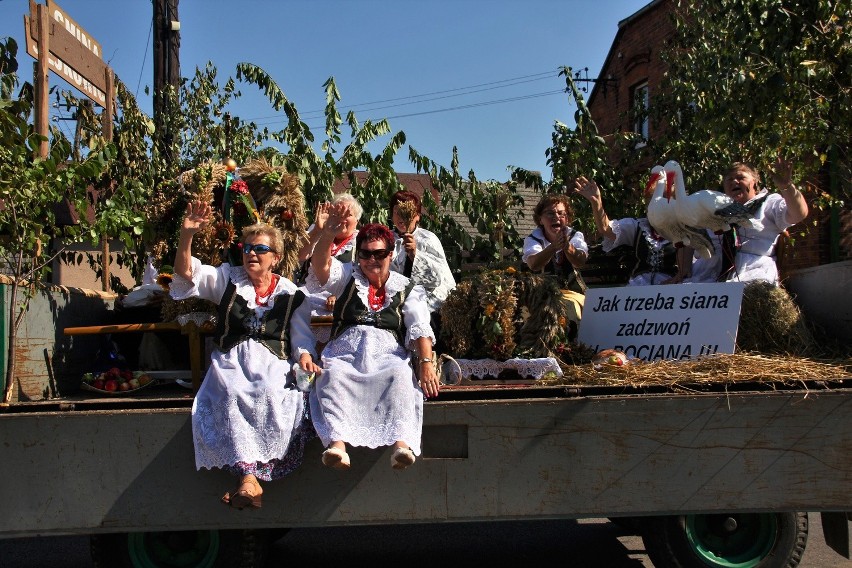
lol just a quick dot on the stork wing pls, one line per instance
(739, 214)
(699, 240)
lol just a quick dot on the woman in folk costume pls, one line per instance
(556, 248)
(378, 364)
(656, 259)
(248, 418)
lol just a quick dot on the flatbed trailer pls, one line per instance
(108, 467)
(710, 474)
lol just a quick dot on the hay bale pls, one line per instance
(771, 322)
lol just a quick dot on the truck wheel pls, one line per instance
(175, 549)
(736, 540)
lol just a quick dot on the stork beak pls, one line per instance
(649, 187)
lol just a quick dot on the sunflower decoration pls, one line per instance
(165, 277)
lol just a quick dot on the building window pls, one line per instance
(641, 102)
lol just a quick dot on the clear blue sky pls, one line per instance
(477, 74)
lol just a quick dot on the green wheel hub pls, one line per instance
(732, 541)
(173, 549)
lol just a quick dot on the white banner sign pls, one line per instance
(679, 321)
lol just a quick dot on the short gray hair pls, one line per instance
(357, 210)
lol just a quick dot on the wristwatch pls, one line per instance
(426, 360)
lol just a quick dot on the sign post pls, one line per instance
(61, 45)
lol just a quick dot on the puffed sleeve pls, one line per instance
(533, 246)
(625, 233)
(415, 313)
(302, 339)
(578, 241)
(208, 282)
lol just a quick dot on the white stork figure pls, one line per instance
(706, 209)
(662, 215)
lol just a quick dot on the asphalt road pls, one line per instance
(587, 543)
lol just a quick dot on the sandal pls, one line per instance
(402, 458)
(335, 458)
(241, 498)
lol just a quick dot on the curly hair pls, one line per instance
(375, 232)
(550, 200)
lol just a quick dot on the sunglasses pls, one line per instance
(378, 254)
(258, 249)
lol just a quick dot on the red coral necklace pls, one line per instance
(337, 247)
(267, 294)
(376, 297)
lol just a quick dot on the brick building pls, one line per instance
(633, 70)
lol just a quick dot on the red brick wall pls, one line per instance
(633, 59)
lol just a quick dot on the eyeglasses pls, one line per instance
(378, 254)
(258, 249)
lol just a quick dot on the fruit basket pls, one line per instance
(116, 382)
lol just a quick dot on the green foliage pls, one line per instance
(31, 186)
(581, 151)
(751, 78)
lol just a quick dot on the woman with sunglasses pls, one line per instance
(369, 393)
(248, 417)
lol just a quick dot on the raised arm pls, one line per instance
(333, 224)
(590, 190)
(320, 218)
(782, 177)
(196, 218)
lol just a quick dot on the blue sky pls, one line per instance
(477, 74)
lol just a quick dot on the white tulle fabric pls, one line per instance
(367, 394)
(248, 408)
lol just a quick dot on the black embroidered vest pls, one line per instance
(350, 310)
(568, 276)
(650, 259)
(236, 322)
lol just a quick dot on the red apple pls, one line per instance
(143, 379)
(98, 383)
(111, 385)
(126, 375)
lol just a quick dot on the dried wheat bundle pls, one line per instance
(281, 203)
(201, 182)
(406, 210)
(544, 315)
(711, 369)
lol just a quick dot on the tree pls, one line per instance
(30, 188)
(748, 79)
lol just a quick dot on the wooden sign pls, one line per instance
(73, 56)
(58, 15)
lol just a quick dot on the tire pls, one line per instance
(181, 549)
(737, 540)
